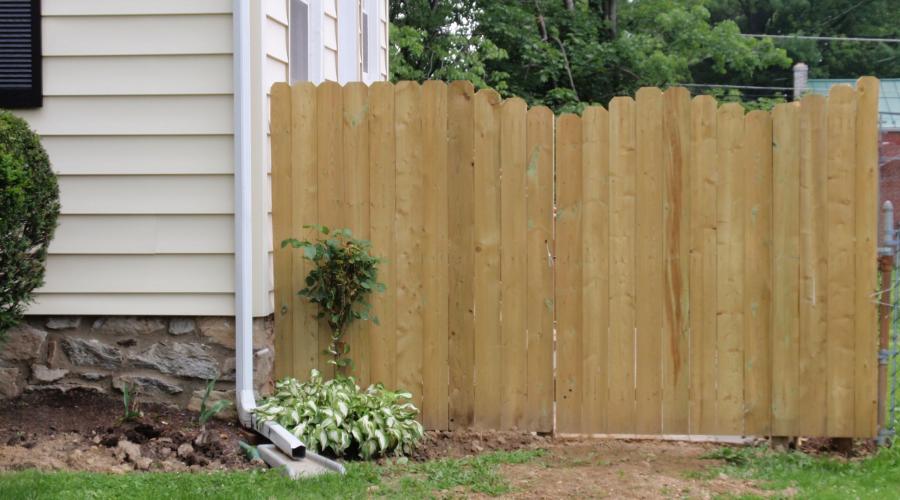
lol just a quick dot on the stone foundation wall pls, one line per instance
(164, 359)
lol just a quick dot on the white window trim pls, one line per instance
(373, 11)
(314, 45)
(348, 41)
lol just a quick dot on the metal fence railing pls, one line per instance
(889, 342)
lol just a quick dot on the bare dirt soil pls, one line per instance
(595, 468)
(83, 430)
(464, 443)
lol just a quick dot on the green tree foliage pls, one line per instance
(29, 206)
(842, 18)
(566, 53)
(435, 40)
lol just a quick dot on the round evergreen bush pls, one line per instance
(29, 206)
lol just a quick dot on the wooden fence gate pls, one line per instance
(707, 271)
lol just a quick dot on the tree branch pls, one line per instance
(611, 15)
(568, 66)
(542, 26)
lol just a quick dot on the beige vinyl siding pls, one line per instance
(141, 154)
(138, 122)
(133, 115)
(144, 234)
(126, 75)
(146, 194)
(133, 7)
(136, 35)
(272, 56)
(158, 273)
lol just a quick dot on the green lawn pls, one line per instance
(414, 480)
(799, 475)
(790, 474)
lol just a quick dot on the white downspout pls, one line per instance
(243, 321)
(243, 312)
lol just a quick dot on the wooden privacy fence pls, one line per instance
(707, 271)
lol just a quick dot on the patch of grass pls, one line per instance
(875, 477)
(472, 475)
(363, 480)
(176, 486)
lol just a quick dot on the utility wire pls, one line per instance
(830, 38)
(723, 86)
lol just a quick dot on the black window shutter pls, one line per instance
(20, 54)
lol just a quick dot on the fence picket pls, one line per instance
(786, 288)
(756, 165)
(620, 357)
(356, 209)
(595, 270)
(650, 270)
(841, 123)
(539, 283)
(513, 263)
(676, 123)
(330, 182)
(569, 329)
(866, 347)
(461, 190)
(813, 266)
(730, 272)
(281, 226)
(304, 207)
(434, 271)
(382, 194)
(408, 233)
(486, 202)
(704, 181)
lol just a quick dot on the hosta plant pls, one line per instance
(336, 416)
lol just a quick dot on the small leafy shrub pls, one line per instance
(208, 412)
(335, 415)
(29, 206)
(344, 276)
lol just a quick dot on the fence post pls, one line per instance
(886, 266)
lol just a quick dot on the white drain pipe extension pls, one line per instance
(243, 312)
